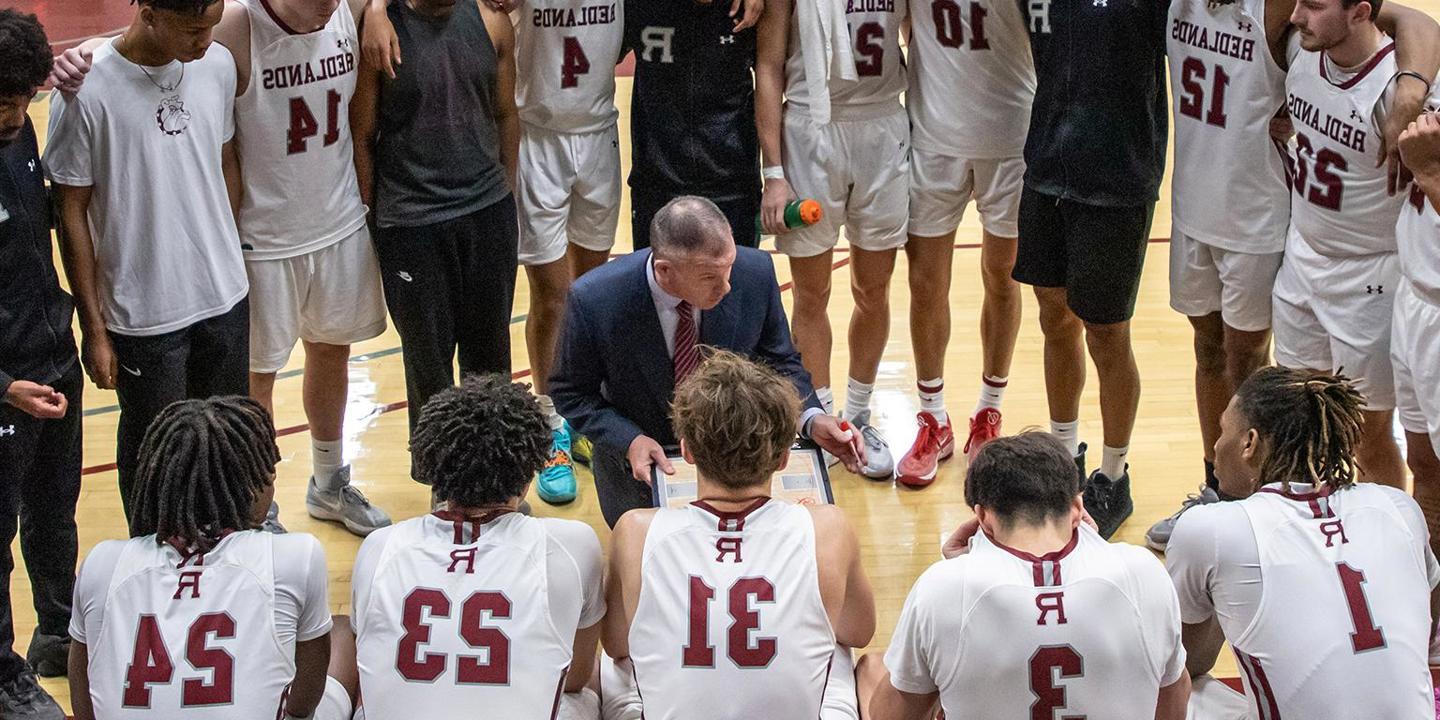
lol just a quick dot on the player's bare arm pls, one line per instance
(1420, 149)
(1202, 643)
(891, 704)
(364, 119)
(312, 657)
(622, 582)
(378, 40)
(1174, 699)
(234, 182)
(77, 253)
(1417, 50)
(582, 659)
(507, 116)
(771, 39)
(844, 588)
(78, 673)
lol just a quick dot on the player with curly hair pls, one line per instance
(40, 386)
(479, 574)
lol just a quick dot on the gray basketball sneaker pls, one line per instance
(272, 522)
(345, 505)
(879, 463)
(1159, 534)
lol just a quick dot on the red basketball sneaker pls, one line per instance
(933, 443)
(984, 427)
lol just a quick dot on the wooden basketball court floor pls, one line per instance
(900, 529)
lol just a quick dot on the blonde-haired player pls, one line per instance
(738, 604)
(832, 129)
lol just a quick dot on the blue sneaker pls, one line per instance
(556, 484)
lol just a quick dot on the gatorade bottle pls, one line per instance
(798, 213)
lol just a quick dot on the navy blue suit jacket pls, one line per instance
(613, 377)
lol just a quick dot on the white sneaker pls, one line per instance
(879, 463)
(346, 505)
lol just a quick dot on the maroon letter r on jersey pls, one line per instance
(1330, 529)
(188, 579)
(1048, 603)
(728, 546)
(467, 556)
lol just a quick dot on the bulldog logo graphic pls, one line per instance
(171, 116)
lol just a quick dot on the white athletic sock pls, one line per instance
(857, 398)
(992, 390)
(932, 399)
(1069, 434)
(827, 400)
(1112, 461)
(548, 407)
(327, 457)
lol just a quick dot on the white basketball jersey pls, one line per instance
(565, 55)
(879, 65)
(1418, 237)
(1064, 634)
(972, 79)
(730, 617)
(1346, 604)
(1230, 189)
(191, 637)
(292, 131)
(459, 617)
(1341, 207)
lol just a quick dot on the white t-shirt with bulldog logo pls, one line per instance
(148, 139)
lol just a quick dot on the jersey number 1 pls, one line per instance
(1366, 635)
(303, 125)
(744, 651)
(151, 665)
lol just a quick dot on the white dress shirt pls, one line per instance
(666, 308)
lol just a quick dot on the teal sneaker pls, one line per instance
(556, 484)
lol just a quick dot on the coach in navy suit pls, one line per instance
(625, 340)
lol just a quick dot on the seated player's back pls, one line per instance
(1345, 604)
(472, 612)
(176, 633)
(1091, 630)
(730, 622)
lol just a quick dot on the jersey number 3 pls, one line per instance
(744, 651)
(1048, 662)
(151, 665)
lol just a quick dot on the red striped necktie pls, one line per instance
(687, 349)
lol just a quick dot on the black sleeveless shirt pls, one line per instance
(437, 147)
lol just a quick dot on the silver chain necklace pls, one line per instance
(164, 88)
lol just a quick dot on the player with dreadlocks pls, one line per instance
(1316, 581)
(537, 583)
(247, 610)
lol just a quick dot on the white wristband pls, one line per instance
(772, 172)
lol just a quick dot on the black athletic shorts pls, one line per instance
(1096, 253)
(739, 206)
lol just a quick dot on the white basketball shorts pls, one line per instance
(941, 186)
(859, 172)
(1335, 314)
(1205, 279)
(1415, 353)
(568, 192)
(330, 296)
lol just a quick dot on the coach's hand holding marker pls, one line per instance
(645, 453)
(839, 439)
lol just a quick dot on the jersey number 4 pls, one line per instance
(151, 665)
(469, 670)
(574, 65)
(744, 651)
(303, 125)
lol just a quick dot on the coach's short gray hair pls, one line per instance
(689, 224)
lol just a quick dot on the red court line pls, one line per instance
(392, 407)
